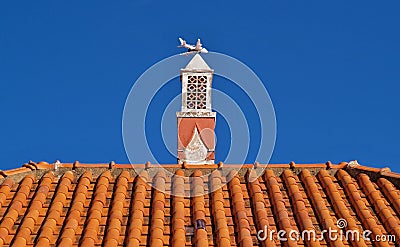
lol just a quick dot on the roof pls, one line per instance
(197, 63)
(74, 204)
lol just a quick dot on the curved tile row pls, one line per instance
(49, 224)
(389, 221)
(363, 212)
(92, 224)
(5, 190)
(67, 236)
(259, 209)
(218, 210)
(339, 205)
(178, 210)
(157, 211)
(391, 193)
(199, 211)
(28, 223)
(279, 206)
(15, 209)
(137, 212)
(239, 211)
(319, 205)
(299, 205)
(115, 217)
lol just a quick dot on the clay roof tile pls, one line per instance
(64, 209)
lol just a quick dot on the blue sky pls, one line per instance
(331, 69)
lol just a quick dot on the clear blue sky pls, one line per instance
(331, 68)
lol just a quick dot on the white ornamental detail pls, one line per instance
(196, 151)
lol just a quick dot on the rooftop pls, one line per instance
(74, 204)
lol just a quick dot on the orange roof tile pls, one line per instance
(299, 205)
(278, 205)
(158, 214)
(380, 204)
(45, 235)
(217, 205)
(259, 207)
(77, 204)
(178, 209)
(366, 216)
(321, 209)
(339, 205)
(199, 211)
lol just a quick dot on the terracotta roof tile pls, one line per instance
(389, 221)
(137, 212)
(355, 198)
(67, 235)
(318, 203)
(178, 206)
(199, 212)
(5, 190)
(115, 218)
(28, 223)
(95, 211)
(109, 205)
(15, 209)
(339, 204)
(259, 207)
(239, 211)
(278, 205)
(390, 192)
(217, 205)
(300, 209)
(158, 207)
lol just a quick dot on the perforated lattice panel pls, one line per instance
(196, 92)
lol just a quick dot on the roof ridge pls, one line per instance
(117, 206)
(351, 166)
